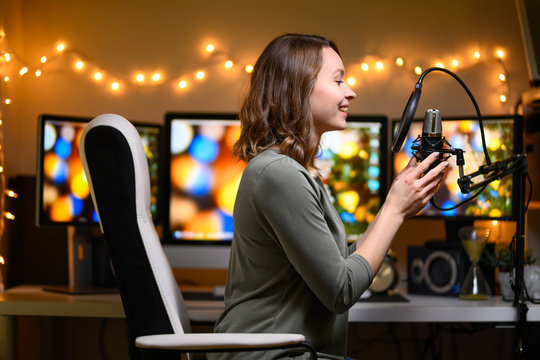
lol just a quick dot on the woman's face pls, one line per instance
(329, 100)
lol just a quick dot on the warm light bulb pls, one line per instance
(502, 98)
(500, 53)
(79, 65)
(7, 101)
(439, 65)
(182, 84)
(98, 76)
(249, 68)
(115, 86)
(38, 73)
(43, 59)
(502, 77)
(455, 63)
(200, 75)
(400, 61)
(379, 65)
(418, 70)
(477, 54)
(210, 48)
(23, 71)
(364, 67)
(156, 77)
(351, 81)
(11, 194)
(494, 223)
(6, 78)
(2, 261)
(9, 215)
(228, 64)
(1, 169)
(60, 47)
(139, 78)
(7, 57)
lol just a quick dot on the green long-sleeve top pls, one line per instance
(290, 269)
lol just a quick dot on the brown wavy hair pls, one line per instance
(276, 109)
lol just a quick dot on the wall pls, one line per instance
(123, 37)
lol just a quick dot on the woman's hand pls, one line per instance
(413, 187)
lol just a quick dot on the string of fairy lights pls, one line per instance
(186, 80)
(13, 68)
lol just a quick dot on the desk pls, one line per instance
(31, 300)
(423, 308)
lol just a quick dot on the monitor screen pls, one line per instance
(503, 139)
(203, 177)
(62, 194)
(353, 164)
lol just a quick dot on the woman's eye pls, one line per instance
(339, 82)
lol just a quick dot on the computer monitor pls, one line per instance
(498, 201)
(203, 179)
(353, 164)
(63, 196)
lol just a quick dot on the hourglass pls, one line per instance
(474, 286)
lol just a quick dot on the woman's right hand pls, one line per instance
(415, 185)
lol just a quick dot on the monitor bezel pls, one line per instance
(517, 148)
(40, 217)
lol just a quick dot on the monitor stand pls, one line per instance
(80, 269)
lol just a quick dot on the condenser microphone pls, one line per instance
(431, 139)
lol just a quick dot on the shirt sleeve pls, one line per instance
(289, 200)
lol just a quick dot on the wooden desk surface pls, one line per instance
(32, 300)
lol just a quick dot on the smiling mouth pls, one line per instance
(343, 108)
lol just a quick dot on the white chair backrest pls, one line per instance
(161, 269)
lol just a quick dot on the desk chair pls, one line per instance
(158, 325)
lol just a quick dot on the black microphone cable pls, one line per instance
(473, 100)
(481, 125)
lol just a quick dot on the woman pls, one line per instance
(290, 270)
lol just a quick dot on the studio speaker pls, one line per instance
(436, 269)
(439, 267)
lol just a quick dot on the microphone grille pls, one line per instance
(432, 123)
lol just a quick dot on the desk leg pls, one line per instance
(6, 337)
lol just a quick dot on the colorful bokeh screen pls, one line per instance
(203, 177)
(496, 201)
(63, 195)
(352, 164)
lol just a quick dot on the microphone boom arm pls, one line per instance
(491, 172)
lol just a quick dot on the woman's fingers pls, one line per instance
(435, 173)
(425, 164)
